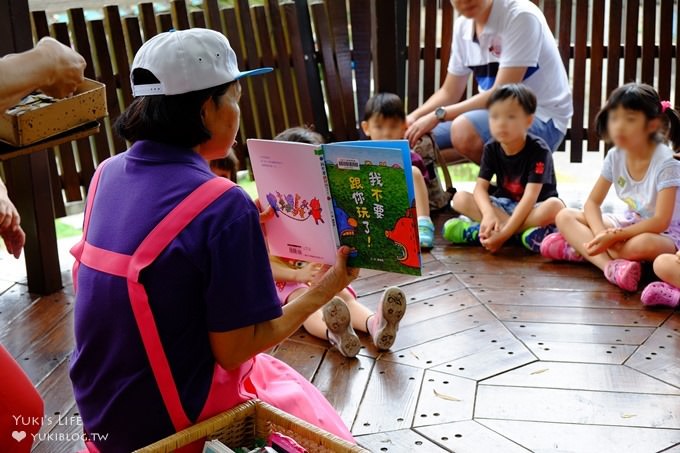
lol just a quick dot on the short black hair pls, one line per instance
(300, 135)
(229, 163)
(171, 119)
(524, 96)
(642, 98)
(387, 105)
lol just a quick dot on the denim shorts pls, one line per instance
(480, 120)
(505, 204)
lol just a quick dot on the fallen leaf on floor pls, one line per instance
(628, 415)
(445, 397)
(540, 371)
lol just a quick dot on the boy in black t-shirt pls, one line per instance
(525, 200)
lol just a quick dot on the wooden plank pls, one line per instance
(658, 357)
(337, 16)
(115, 33)
(577, 315)
(107, 77)
(212, 15)
(579, 81)
(14, 299)
(148, 19)
(550, 13)
(648, 41)
(528, 265)
(274, 97)
(330, 72)
(283, 64)
(413, 89)
(557, 351)
(303, 358)
(398, 441)
(65, 435)
(180, 16)
(430, 49)
(390, 399)
(468, 437)
(342, 381)
(444, 398)
(584, 333)
(614, 45)
(40, 24)
(164, 22)
(566, 282)
(381, 280)
(537, 436)
(446, 38)
(577, 406)
(615, 300)
(361, 51)
(133, 33)
(631, 46)
(385, 52)
(564, 40)
(582, 376)
(596, 57)
(665, 49)
(420, 290)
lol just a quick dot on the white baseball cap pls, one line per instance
(185, 61)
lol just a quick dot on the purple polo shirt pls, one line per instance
(214, 277)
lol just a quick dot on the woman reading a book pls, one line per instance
(174, 296)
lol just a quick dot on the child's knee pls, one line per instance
(564, 216)
(462, 200)
(666, 264)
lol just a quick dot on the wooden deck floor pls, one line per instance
(495, 354)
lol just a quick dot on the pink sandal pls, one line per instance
(555, 247)
(660, 293)
(624, 274)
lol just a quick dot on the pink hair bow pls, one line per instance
(665, 105)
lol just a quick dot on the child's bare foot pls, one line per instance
(339, 328)
(384, 324)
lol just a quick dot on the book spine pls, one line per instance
(329, 196)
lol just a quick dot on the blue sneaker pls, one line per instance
(532, 237)
(460, 231)
(426, 232)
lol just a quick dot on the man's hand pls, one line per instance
(67, 65)
(420, 127)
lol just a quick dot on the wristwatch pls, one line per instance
(440, 113)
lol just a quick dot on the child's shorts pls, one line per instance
(631, 218)
(285, 289)
(506, 204)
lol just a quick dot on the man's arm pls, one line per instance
(50, 66)
(449, 93)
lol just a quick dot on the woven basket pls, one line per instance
(241, 425)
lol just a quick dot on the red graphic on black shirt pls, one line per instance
(514, 187)
(540, 167)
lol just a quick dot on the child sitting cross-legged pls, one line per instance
(525, 201)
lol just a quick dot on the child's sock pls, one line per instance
(384, 324)
(460, 231)
(340, 333)
(660, 293)
(531, 238)
(425, 232)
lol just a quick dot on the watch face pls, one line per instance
(440, 113)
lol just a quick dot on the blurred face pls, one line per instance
(381, 128)
(221, 118)
(472, 9)
(629, 129)
(508, 121)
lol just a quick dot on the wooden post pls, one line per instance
(29, 175)
(384, 37)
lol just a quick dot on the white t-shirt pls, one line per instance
(640, 196)
(516, 34)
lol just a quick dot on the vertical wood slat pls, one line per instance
(361, 43)
(331, 76)
(550, 13)
(42, 29)
(648, 41)
(631, 47)
(430, 51)
(115, 32)
(413, 90)
(579, 79)
(337, 15)
(197, 19)
(564, 41)
(69, 176)
(300, 60)
(164, 21)
(107, 77)
(248, 120)
(447, 36)
(148, 19)
(180, 15)
(383, 45)
(253, 61)
(596, 56)
(273, 93)
(283, 64)
(212, 15)
(665, 49)
(133, 33)
(614, 45)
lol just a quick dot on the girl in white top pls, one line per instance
(646, 177)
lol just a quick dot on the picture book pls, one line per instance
(358, 194)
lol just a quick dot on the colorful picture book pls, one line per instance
(358, 194)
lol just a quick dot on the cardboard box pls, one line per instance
(23, 126)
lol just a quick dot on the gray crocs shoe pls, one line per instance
(339, 327)
(385, 321)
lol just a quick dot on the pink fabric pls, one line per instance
(285, 289)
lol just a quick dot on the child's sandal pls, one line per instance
(660, 293)
(339, 329)
(385, 322)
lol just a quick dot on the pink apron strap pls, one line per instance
(147, 252)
